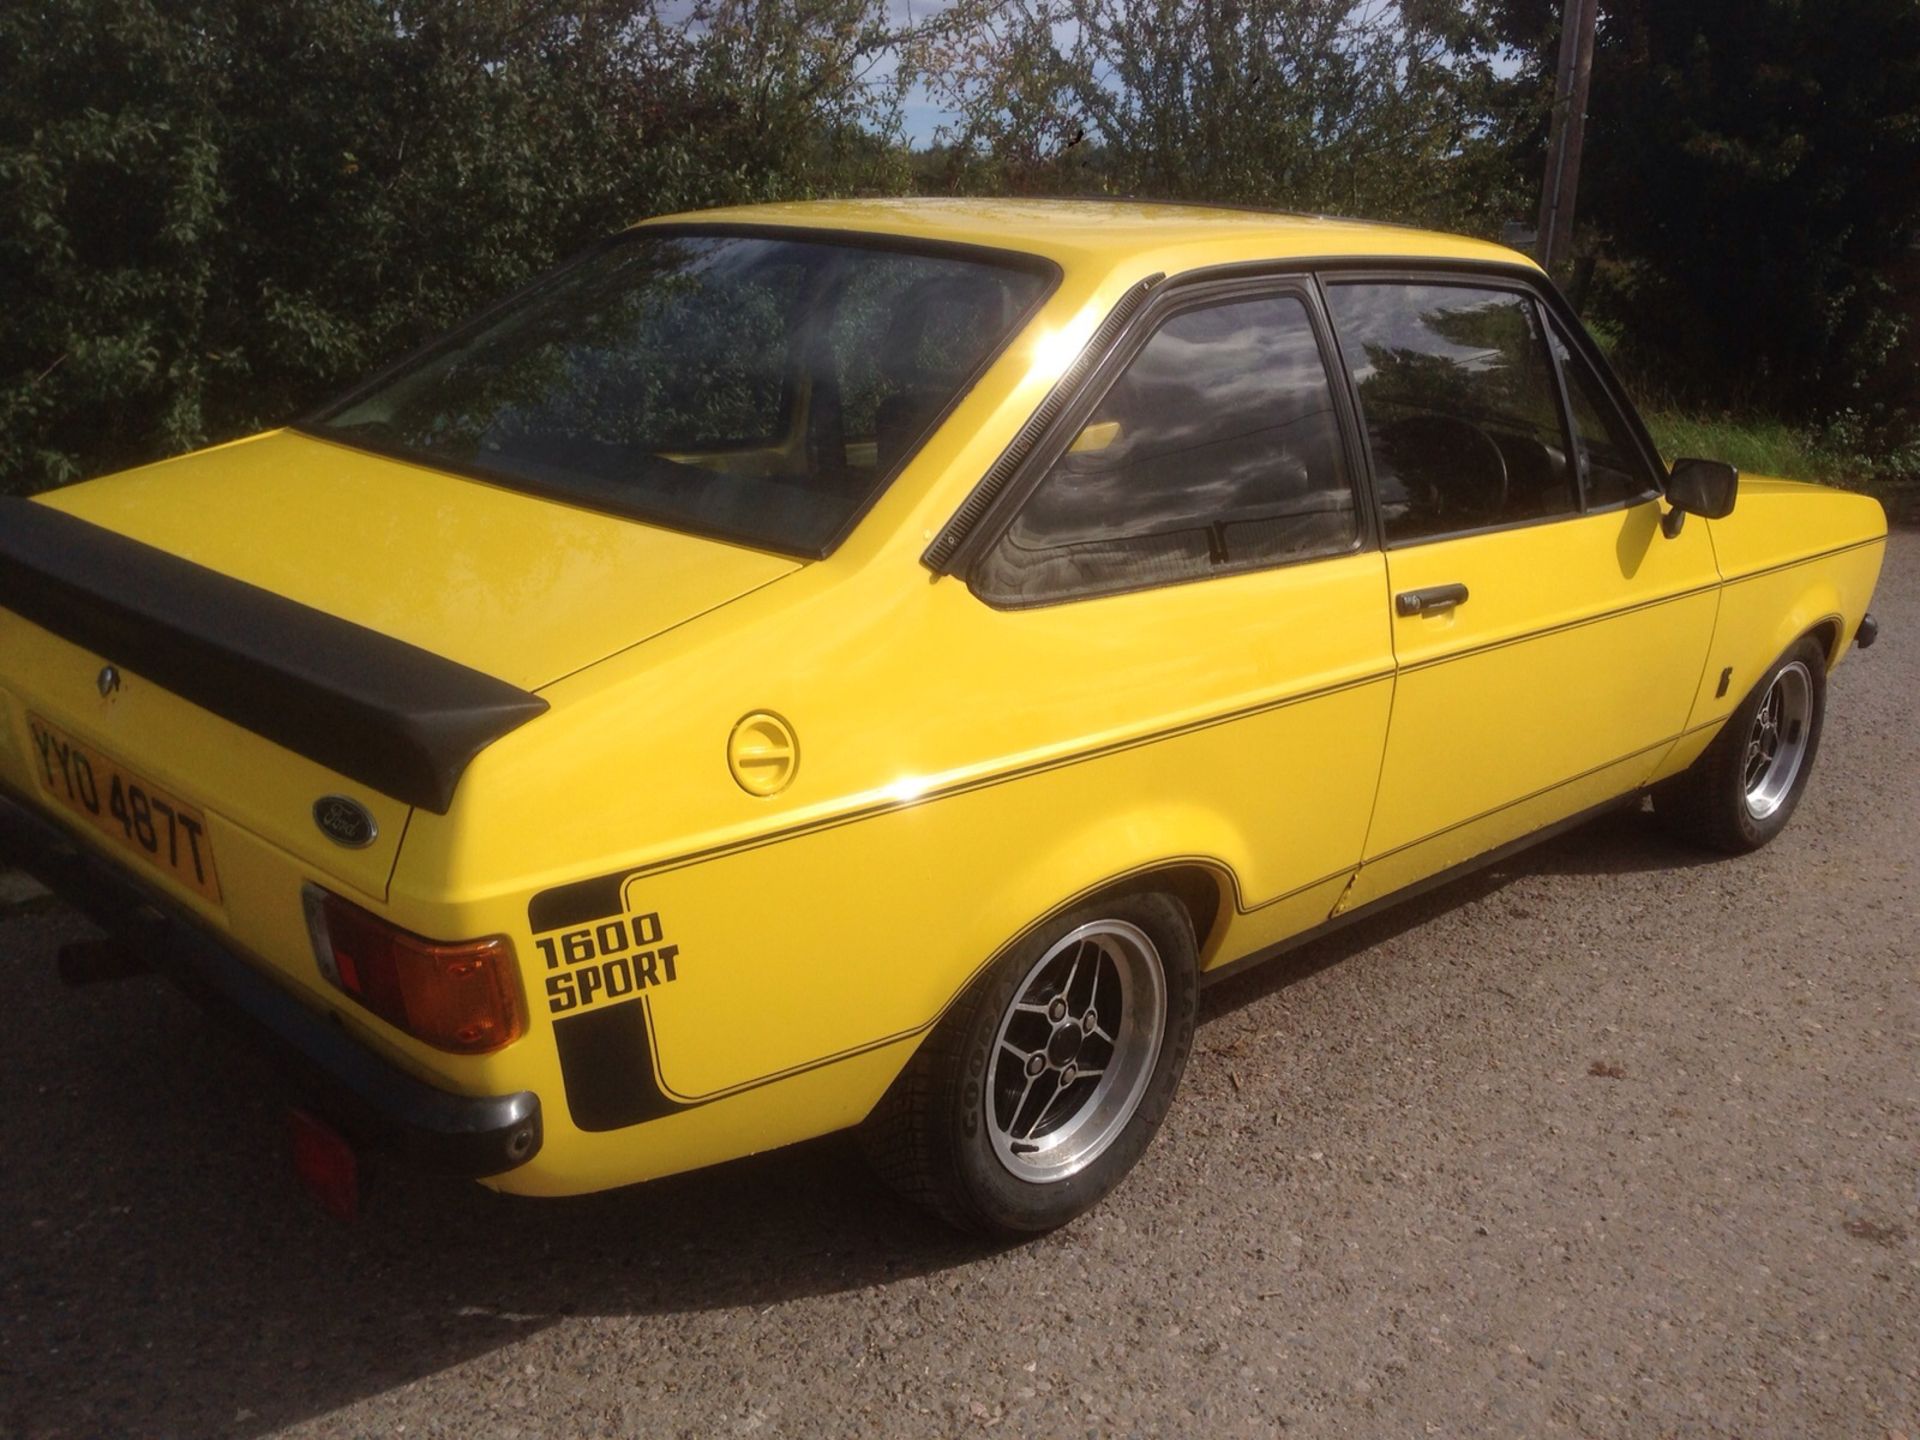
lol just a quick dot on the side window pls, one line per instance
(1610, 463)
(1217, 449)
(1457, 394)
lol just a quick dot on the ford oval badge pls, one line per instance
(345, 822)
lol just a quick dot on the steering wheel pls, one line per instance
(1457, 464)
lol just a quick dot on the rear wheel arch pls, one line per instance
(1204, 890)
(957, 1131)
(1192, 852)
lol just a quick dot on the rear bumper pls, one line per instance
(374, 1101)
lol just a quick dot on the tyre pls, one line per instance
(1743, 789)
(1034, 1096)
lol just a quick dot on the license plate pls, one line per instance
(165, 832)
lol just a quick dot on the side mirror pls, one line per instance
(1706, 488)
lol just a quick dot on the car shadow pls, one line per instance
(1624, 841)
(166, 1275)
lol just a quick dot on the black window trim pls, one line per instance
(966, 535)
(1563, 398)
(310, 423)
(1199, 289)
(1549, 306)
(1652, 486)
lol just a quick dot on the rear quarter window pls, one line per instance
(1217, 449)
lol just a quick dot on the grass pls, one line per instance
(1763, 446)
(1759, 446)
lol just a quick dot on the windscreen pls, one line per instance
(756, 389)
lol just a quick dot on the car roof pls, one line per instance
(1079, 232)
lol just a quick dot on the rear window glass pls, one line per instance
(758, 389)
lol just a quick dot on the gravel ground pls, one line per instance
(1613, 1140)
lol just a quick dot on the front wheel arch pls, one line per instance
(1712, 801)
(1830, 633)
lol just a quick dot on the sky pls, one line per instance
(921, 116)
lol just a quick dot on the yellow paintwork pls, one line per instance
(513, 585)
(962, 772)
(1547, 601)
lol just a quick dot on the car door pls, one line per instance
(1548, 636)
(1189, 558)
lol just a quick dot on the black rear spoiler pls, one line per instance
(393, 716)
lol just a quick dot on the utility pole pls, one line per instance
(1567, 137)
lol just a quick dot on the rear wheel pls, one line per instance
(1040, 1089)
(1743, 789)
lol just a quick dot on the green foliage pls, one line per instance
(1839, 453)
(1757, 170)
(1751, 192)
(1377, 109)
(214, 213)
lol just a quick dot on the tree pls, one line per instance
(1375, 108)
(214, 213)
(1752, 180)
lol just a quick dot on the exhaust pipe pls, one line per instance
(118, 955)
(90, 962)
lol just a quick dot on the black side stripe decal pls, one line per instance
(608, 1055)
(606, 1063)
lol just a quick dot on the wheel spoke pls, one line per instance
(1093, 980)
(1073, 975)
(1062, 1089)
(1028, 1133)
(1059, 1094)
(1026, 1093)
(1776, 753)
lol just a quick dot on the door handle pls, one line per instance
(1430, 601)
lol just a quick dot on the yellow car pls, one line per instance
(867, 664)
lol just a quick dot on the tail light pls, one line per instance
(462, 996)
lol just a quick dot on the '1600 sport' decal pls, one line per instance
(605, 960)
(618, 957)
(602, 956)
